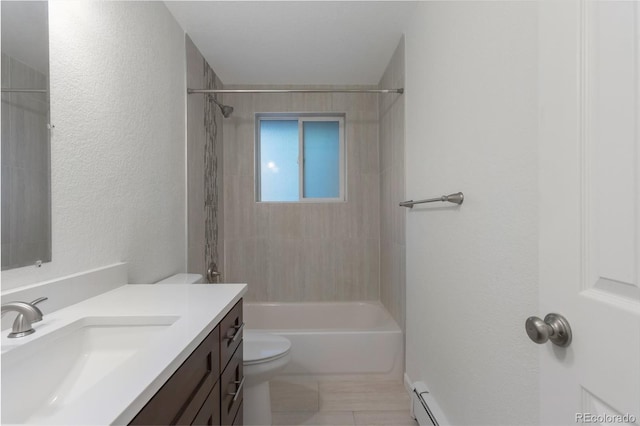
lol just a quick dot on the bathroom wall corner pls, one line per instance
(392, 189)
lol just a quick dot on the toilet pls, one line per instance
(264, 356)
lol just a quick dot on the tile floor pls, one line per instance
(304, 401)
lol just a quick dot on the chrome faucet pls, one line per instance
(28, 313)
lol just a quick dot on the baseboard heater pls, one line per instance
(423, 407)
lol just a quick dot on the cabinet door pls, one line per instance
(231, 388)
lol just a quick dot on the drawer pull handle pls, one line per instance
(238, 329)
(236, 394)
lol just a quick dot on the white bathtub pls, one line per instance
(334, 339)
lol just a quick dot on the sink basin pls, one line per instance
(46, 374)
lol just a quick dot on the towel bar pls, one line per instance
(456, 198)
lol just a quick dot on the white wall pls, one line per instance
(471, 120)
(118, 149)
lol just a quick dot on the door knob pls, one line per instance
(555, 327)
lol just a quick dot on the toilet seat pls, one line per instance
(263, 347)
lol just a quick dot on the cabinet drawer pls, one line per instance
(231, 388)
(209, 414)
(230, 334)
(180, 398)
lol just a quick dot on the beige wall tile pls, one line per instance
(285, 220)
(368, 225)
(319, 272)
(321, 221)
(242, 265)
(240, 207)
(245, 141)
(387, 138)
(387, 206)
(302, 248)
(357, 270)
(392, 217)
(386, 296)
(230, 149)
(285, 269)
(320, 102)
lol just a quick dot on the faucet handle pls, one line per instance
(33, 304)
(38, 300)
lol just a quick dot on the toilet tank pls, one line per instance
(183, 278)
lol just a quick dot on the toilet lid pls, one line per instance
(262, 347)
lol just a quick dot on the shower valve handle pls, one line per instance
(213, 276)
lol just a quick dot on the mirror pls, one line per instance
(26, 177)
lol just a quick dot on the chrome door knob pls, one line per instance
(555, 327)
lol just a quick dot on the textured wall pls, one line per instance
(195, 162)
(310, 251)
(471, 125)
(392, 217)
(117, 75)
(204, 167)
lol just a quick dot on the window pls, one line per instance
(300, 157)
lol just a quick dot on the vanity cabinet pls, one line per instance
(207, 388)
(231, 355)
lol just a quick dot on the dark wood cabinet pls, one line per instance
(230, 334)
(210, 411)
(238, 420)
(231, 382)
(207, 388)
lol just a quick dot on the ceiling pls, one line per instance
(295, 42)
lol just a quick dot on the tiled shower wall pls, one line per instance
(310, 251)
(392, 190)
(204, 168)
(26, 222)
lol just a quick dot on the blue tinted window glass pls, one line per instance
(279, 175)
(321, 159)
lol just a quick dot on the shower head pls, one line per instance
(226, 109)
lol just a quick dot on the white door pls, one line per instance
(590, 208)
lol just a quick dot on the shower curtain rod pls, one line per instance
(194, 91)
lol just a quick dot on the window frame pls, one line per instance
(302, 117)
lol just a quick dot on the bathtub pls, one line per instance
(333, 339)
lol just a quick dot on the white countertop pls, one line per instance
(120, 395)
